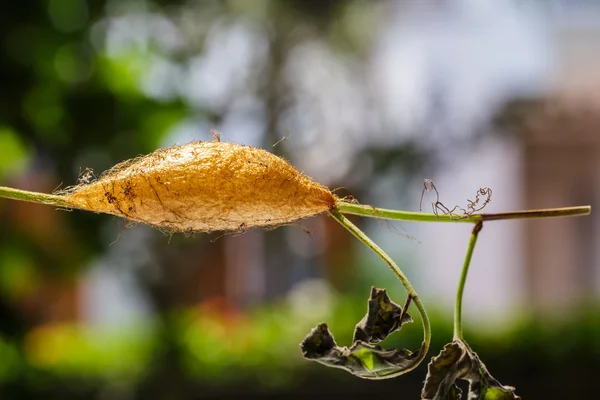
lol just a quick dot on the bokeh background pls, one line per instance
(372, 97)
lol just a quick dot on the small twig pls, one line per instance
(282, 139)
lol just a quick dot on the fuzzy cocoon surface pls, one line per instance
(205, 186)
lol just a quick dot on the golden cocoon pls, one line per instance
(205, 186)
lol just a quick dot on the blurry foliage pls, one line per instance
(262, 347)
(14, 152)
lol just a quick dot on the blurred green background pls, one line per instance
(372, 97)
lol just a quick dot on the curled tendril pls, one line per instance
(483, 197)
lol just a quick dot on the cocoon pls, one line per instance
(204, 186)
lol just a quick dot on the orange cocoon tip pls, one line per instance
(204, 186)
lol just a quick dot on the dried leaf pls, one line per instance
(364, 358)
(382, 319)
(458, 361)
(443, 371)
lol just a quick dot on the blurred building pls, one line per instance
(561, 162)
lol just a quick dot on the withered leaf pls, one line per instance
(458, 361)
(364, 358)
(361, 359)
(383, 318)
(443, 371)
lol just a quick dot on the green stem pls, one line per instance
(360, 235)
(369, 211)
(33, 197)
(458, 332)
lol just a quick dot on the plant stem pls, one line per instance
(33, 197)
(544, 213)
(369, 211)
(360, 235)
(458, 332)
